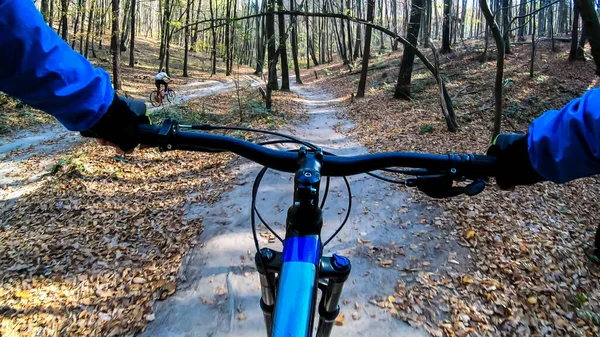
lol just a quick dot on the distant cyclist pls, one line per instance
(160, 79)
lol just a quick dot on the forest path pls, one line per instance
(221, 291)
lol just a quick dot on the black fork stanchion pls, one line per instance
(268, 263)
(336, 270)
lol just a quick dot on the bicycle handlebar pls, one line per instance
(169, 137)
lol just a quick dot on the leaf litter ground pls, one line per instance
(88, 252)
(527, 272)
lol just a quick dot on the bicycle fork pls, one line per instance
(333, 273)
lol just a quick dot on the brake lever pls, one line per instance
(441, 186)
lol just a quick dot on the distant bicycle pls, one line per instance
(157, 98)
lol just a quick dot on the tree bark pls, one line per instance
(408, 58)
(44, 9)
(186, 36)
(115, 45)
(592, 27)
(521, 22)
(295, 44)
(446, 28)
(574, 35)
(367, 51)
(214, 39)
(581, 45)
(505, 24)
(285, 72)
(227, 39)
(498, 85)
(64, 8)
(132, 38)
(89, 27)
(272, 60)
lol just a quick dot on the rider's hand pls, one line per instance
(118, 126)
(514, 165)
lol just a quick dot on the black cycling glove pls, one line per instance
(514, 164)
(119, 123)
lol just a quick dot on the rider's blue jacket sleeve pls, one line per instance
(40, 69)
(565, 144)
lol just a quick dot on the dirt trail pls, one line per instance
(27, 155)
(220, 293)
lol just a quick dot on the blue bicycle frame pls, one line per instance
(297, 285)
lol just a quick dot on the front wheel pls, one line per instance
(171, 93)
(155, 99)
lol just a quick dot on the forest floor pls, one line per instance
(528, 271)
(101, 237)
(95, 238)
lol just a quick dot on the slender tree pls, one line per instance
(446, 28)
(115, 45)
(285, 77)
(408, 58)
(295, 44)
(574, 35)
(64, 9)
(367, 51)
(132, 38)
(272, 58)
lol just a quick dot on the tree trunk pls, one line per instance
(395, 18)
(186, 36)
(358, 32)
(125, 27)
(295, 44)
(349, 31)
(505, 23)
(533, 44)
(367, 51)
(272, 60)
(498, 85)
(260, 39)
(521, 20)
(64, 8)
(115, 45)
(574, 35)
(76, 24)
(592, 27)
(214, 39)
(285, 72)
(44, 9)
(582, 40)
(463, 19)
(446, 28)
(82, 29)
(408, 58)
(89, 27)
(51, 14)
(132, 38)
(227, 38)
(551, 13)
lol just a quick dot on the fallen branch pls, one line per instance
(445, 102)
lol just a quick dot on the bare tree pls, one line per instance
(446, 28)
(115, 45)
(367, 51)
(408, 58)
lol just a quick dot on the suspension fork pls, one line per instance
(268, 264)
(335, 269)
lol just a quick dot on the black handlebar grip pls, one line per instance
(485, 164)
(148, 134)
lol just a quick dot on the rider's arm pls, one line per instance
(40, 69)
(565, 144)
